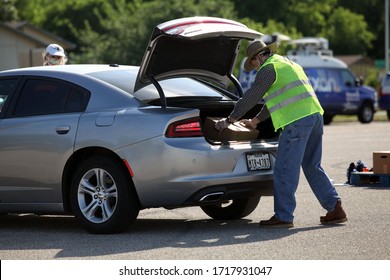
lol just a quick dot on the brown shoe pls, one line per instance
(336, 216)
(276, 223)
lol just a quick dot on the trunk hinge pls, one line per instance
(236, 84)
(160, 91)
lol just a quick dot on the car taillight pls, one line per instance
(380, 92)
(185, 128)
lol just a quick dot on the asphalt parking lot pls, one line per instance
(188, 233)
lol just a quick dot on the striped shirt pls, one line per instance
(263, 81)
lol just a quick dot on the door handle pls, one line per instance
(64, 129)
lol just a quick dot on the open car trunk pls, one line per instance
(235, 132)
(202, 48)
(213, 110)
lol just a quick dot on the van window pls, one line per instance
(335, 80)
(324, 79)
(348, 79)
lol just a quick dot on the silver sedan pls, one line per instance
(102, 142)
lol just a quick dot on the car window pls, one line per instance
(7, 87)
(348, 79)
(40, 97)
(180, 88)
(123, 79)
(175, 87)
(386, 81)
(335, 80)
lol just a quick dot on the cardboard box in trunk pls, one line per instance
(234, 132)
(381, 162)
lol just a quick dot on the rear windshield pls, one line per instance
(177, 87)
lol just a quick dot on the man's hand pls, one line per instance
(250, 123)
(221, 124)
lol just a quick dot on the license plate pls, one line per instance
(258, 161)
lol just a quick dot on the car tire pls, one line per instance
(388, 115)
(103, 198)
(366, 113)
(232, 210)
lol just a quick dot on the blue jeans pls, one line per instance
(300, 144)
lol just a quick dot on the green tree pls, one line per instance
(374, 14)
(307, 16)
(8, 10)
(125, 26)
(347, 38)
(262, 10)
(35, 11)
(58, 16)
(333, 19)
(118, 30)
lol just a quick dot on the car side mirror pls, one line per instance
(359, 81)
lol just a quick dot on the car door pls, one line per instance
(37, 134)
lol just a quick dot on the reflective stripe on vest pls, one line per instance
(291, 96)
(291, 99)
(286, 87)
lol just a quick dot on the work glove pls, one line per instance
(221, 124)
(250, 123)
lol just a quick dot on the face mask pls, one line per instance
(53, 61)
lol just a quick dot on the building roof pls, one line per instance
(35, 34)
(354, 59)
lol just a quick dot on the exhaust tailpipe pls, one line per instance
(212, 197)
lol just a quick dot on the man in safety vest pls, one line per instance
(295, 110)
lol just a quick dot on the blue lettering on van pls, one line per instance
(324, 84)
(351, 96)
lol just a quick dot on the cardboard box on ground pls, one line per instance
(234, 132)
(381, 162)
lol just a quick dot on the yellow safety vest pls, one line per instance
(291, 97)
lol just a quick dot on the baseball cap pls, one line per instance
(55, 50)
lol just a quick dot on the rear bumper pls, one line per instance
(219, 193)
(190, 169)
